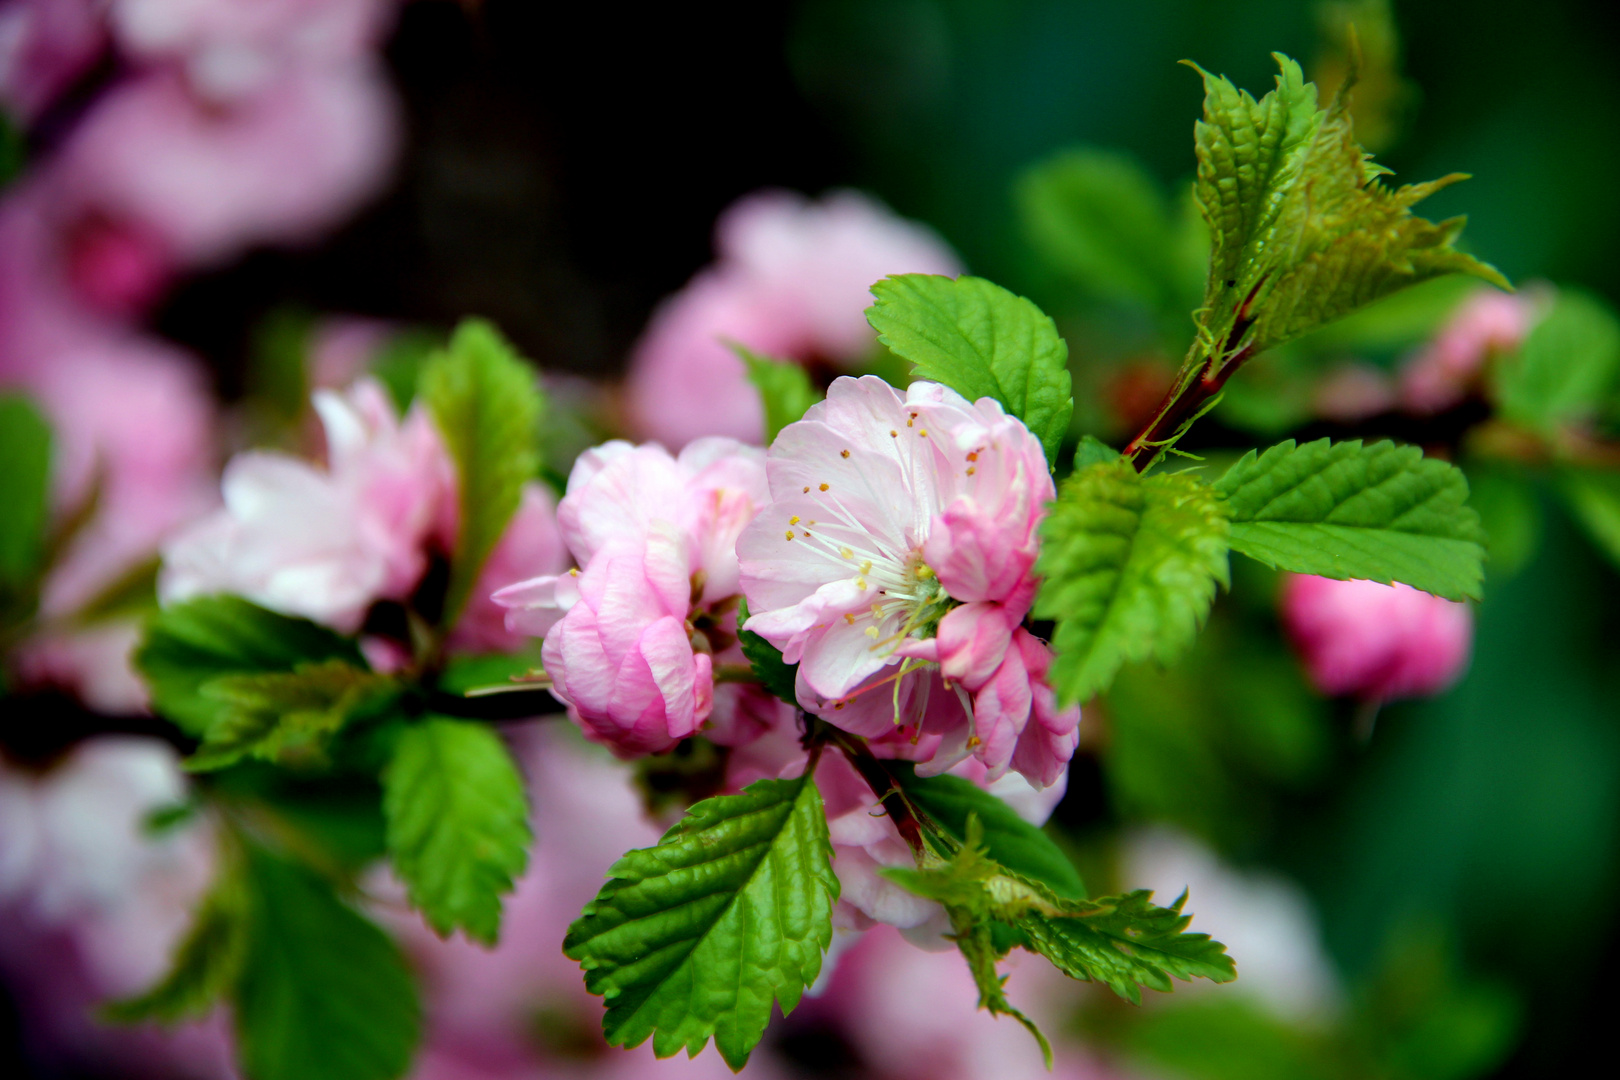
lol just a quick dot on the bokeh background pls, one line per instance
(560, 171)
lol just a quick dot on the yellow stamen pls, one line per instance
(843, 453)
(794, 520)
(846, 553)
(790, 534)
(823, 487)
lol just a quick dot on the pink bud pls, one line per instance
(1375, 642)
(1487, 323)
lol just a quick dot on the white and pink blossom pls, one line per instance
(633, 637)
(1375, 642)
(791, 280)
(323, 543)
(895, 566)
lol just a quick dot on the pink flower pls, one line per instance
(791, 280)
(229, 47)
(902, 534)
(632, 638)
(207, 179)
(532, 545)
(1488, 323)
(1376, 642)
(44, 46)
(321, 543)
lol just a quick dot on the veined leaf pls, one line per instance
(981, 341)
(487, 404)
(277, 714)
(1131, 564)
(949, 801)
(1567, 366)
(1303, 229)
(25, 489)
(775, 674)
(458, 823)
(193, 643)
(784, 389)
(693, 938)
(1126, 942)
(1093, 451)
(206, 963)
(324, 993)
(1343, 510)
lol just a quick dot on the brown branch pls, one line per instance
(883, 785)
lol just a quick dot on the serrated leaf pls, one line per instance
(458, 823)
(1343, 510)
(1303, 230)
(981, 341)
(1126, 943)
(25, 489)
(1098, 218)
(192, 643)
(773, 673)
(275, 715)
(784, 388)
(1130, 566)
(324, 993)
(206, 963)
(693, 938)
(949, 801)
(487, 404)
(1566, 368)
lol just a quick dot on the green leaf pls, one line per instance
(25, 489)
(476, 671)
(1594, 498)
(324, 993)
(693, 938)
(1303, 230)
(286, 715)
(1098, 218)
(458, 823)
(192, 643)
(487, 404)
(949, 801)
(784, 389)
(981, 341)
(774, 674)
(1126, 942)
(1343, 510)
(1131, 564)
(1093, 451)
(1566, 368)
(206, 963)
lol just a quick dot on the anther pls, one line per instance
(807, 490)
(790, 534)
(849, 617)
(843, 453)
(972, 470)
(846, 553)
(794, 520)
(871, 631)
(893, 434)
(823, 487)
(974, 456)
(923, 434)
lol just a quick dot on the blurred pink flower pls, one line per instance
(632, 638)
(44, 46)
(1353, 392)
(94, 905)
(1484, 325)
(229, 47)
(1375, 642)
(902, 534)
(133, 428)
(204, 181)
(531, 546)
(323, 543)
(912, 1015)
(1264, 919)
(791, 280)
